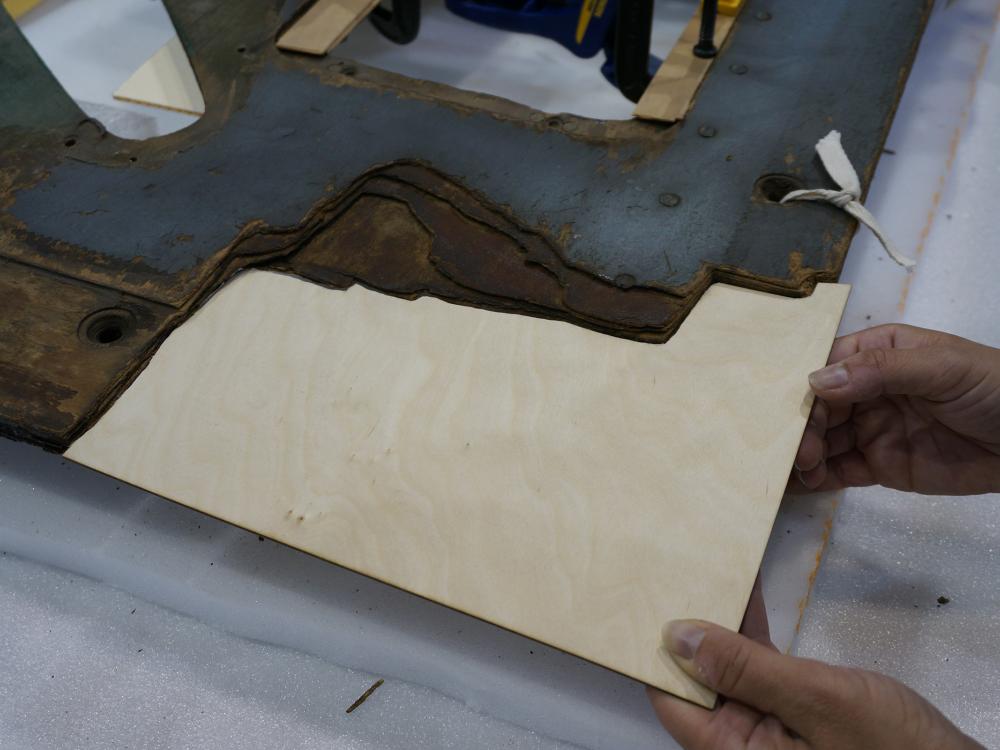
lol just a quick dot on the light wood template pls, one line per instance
(325, 24)
(165, 80)
(671, 93)
(574, 487)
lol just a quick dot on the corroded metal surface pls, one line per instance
(344, 174)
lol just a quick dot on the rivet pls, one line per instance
(624, 281)
(669, 199)
(707, 131)
(738, 69)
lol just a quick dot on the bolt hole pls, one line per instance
(69, 142)
(241, 49)
(773, 187)
(105, 327)
(133, 159)
(108, 334)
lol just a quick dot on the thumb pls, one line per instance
(792, 689)
(925, 372)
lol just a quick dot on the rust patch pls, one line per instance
(956, 138)
(827, 531)
(49, 376)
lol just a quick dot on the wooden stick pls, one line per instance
(324, 25)
(672, 91)
(365, 695)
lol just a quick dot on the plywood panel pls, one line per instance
(574, 487)
(671, 93)
(324, 25)
(165, 80)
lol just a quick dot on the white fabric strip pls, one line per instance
(848, 198)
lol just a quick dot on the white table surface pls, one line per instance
(234, 640)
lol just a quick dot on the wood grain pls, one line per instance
(324, 25)
(671, 93)
(574, 487)
(165, 80)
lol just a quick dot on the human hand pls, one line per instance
(779, 702)
(906, 408)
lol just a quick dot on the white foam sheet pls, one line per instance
(269, 598)
(118, 672)
(893, 554)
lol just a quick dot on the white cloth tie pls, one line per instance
(848, 198)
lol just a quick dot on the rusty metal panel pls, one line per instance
(345, 174)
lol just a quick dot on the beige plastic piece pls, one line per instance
(324, 25)
(165, 80)
(671, 93)
(574, 487)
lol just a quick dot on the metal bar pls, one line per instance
(706, 38)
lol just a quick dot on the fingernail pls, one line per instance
(833, 376)
(682, 638)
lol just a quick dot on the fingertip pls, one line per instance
(814, 477)
(810, 452)
(681, 638)
(829, 378)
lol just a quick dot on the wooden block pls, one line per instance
(18, 8)
(671, 93)
(324, 25)
(574, 487)
(165, 80)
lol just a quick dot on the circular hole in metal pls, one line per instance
(105, 327)
(69, 142)
(773, 187)
(241, 49)
(133, 159)
(108, 334)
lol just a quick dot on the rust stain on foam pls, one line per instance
(827, 530)
(956, 138)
